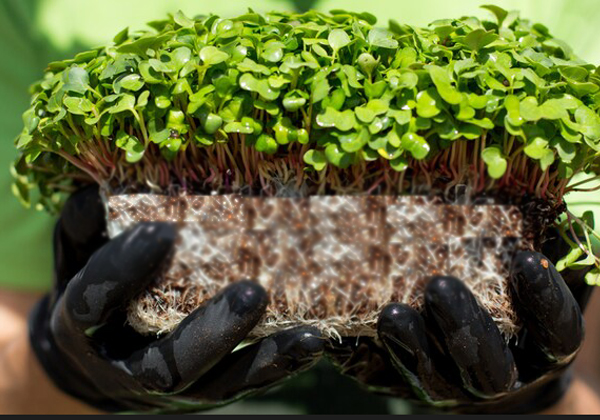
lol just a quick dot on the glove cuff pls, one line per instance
(531, 400)
(547, 395)
(57, 366)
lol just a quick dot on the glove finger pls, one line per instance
(555, 248)
(261, 365)
(83, 217)
(470, 337)
(404, 334)
(80, 231)
(201, 340)
(113, 276)
(546, 306)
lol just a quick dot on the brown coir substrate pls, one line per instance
(328, 261)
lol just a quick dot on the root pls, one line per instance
(332, 262)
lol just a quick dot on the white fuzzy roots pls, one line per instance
(328, 261)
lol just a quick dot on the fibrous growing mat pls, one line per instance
(328, 261)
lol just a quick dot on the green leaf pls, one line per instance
(211, 55)
(162, 101)
(513, 110)
(477, 101)
(353, 142)
(402, 116)
(382, 38)
(204, 140)
(428, 103)
(211, 123)
(180, 57)
(390, 152)
(369, 111)
(466, 112)
(161, 66)
(442, 82)
(182, 20)
(583, 89)
(399, 164)
(352, 75)
(590, 122)
(176, 121)
(320, 89)
(260, 86)
(170, 147)
(529, 109)
(499, 12)
(547, 160)
(182, 86)
(536, 148)
(416, 145)
(76, 80)
(132, 82)
(495, 161)
(126, 103)
(483, 123)
(30, 120)
(405, 57)
(335, 100)
(553, 109)
(592, 278)
(273, 51)
(266, 144)
(303, 137)
(157, 131)
(566, 150)
(239, 127)
(78, 106)
(293, 104)
(284, 131)
(375, 90)
(121, 36)
(568, 260)
(409, 80)
(364, 114)
(316, 159)
(248, 65)
(270, 108)
(338, 39)
(367, 63)
(134, 149)
(479, 38)
(149, 74)
(574, 73)
(343, 121)
(141, 45)
(337, 157)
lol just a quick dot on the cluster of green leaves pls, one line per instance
(347, 90)
(579, 234)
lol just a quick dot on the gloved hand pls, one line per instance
(452, 355)
(80, 336)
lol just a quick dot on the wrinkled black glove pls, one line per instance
(452, 355)
(81, 338)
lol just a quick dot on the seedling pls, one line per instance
(322, 104)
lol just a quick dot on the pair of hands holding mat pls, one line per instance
(450, 356)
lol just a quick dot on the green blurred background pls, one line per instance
(34, 32)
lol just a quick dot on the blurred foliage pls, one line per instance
(305, 5)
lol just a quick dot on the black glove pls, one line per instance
(80, 336)
(452, 356)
